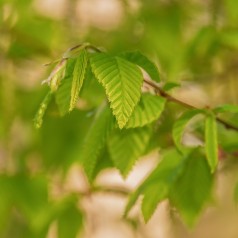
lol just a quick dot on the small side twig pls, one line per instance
(170, 98)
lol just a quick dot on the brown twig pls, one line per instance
(170, 98)
(123, 191)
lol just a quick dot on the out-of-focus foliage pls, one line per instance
(192, 42)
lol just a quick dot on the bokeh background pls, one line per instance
(43, 190)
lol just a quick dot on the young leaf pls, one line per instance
(125, 147)
(179, 125)
(57, 75)
(193, 188)
(41, 111)
(78, 77)
(67, 94)
(162, 177)
(95, 140)
(122, 81)
(211, 144)
(137, 58)
(146, 111)
(63, 94)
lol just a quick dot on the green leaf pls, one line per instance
(137, 58)
(57, 75)
(170, 85)
(104, 161)
(70, 222)
(78, 77)
(179, 126)
(92, 91)
(162, 177)
(226, 108)
(95, 140)
(67, 94)
(153, 195)
(71, 84)
(38, 120)
(193, 188)
(125, 147)
(131, 201)
(146, 111)
(211, 145)
(122, 81)
(63, 94)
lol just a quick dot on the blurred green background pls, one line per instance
(193, 42)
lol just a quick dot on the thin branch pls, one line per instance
(116, 190)
(170, 98)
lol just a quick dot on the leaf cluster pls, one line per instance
(124, 124)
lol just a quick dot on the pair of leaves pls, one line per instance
(211, 144)
(68, 92)
(69, 74)
(124, 146)
(185, 180)
(121, 77)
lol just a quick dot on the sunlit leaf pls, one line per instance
(78, 77)
(63, 94)
(122, 81)
(38, 120)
